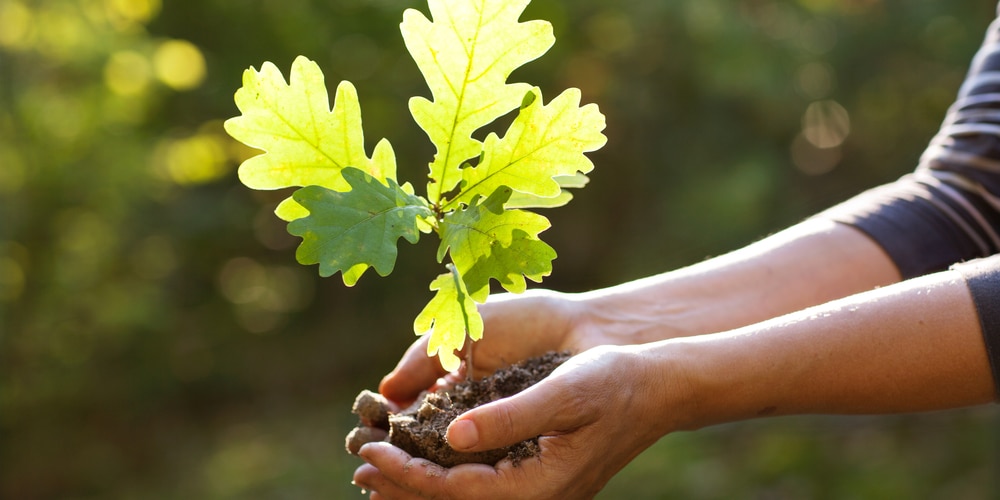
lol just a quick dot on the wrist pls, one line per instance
(669, 400)
(637, 312)
(697, 383)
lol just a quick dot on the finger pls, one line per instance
(377, 486)
(525, 415)
(414, 374)
(366, 477)
(369, 477)
(397, 473)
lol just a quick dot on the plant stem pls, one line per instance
(468, 361)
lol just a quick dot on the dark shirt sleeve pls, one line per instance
(983, 278)
(948, 210)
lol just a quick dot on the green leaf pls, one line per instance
(543, 142)
(486, 242)
(354, 230)
(466, 55)
(566, 182)
(352, 211)
(449, 316)
(305, 142)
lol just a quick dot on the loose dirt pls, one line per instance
(420, 429)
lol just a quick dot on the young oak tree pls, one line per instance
(351, 210)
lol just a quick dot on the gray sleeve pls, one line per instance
(921, 228)
(983, 278)
(948, 210)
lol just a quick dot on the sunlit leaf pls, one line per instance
(566, 182)
(448, 318)
(305, 142)
(485, 242)
(466, 54)
(543, 142)
(351, 231)
(352, 211)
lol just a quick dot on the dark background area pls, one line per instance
(158, 340)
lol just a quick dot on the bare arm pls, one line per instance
(909, 347)
(914, 346)
(808, 264)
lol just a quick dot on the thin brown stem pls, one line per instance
(468, 361)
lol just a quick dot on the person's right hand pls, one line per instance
(592, 415)
(517, 327)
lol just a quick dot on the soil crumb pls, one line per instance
(420, 429)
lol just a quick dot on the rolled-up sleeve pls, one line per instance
(948, 210)
(983, 278)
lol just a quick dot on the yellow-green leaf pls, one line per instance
(448, 318)
(305, 142)
(566, 182)
(487, 242)
(543, 142)
(466, 55)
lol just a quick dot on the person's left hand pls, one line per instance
(594, 414)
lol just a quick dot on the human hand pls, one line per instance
(594, 414)
(517, 327)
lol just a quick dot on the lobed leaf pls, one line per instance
(543, 142)
(466, 55)
(566, 182)
(485, 242)
(448, 318)
(354, 230)
(305, 142)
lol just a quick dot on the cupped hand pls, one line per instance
(516, 327)
(593, 414)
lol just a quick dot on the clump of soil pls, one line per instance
(420, 429)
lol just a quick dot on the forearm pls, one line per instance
(914, 346)
(809, 264)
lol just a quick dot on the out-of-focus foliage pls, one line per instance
(157, 339)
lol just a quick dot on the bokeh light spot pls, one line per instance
(198, 159)
(125, 15)
(16, 25)
(127, 73)
(179, 64)
(62, 33)
(826, 124)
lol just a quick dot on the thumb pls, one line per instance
(415, 373)
(538, 410)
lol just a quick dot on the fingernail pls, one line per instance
(462, 434)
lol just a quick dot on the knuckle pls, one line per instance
(505, 421)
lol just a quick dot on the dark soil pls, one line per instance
(420, 429)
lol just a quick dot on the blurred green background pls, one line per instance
(158, 340)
